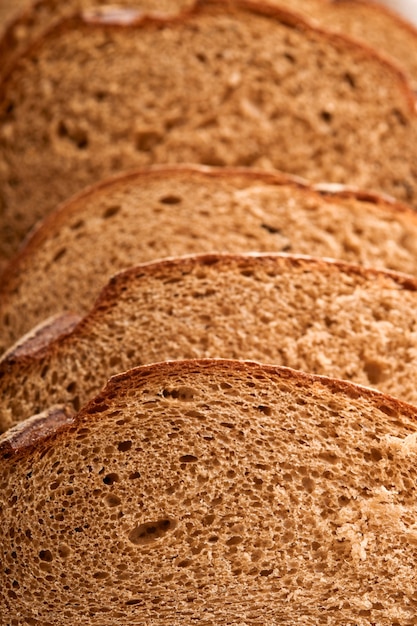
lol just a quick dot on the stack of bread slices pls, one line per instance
(208, 331)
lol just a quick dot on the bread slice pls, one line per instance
(379, 27)
(234, 83)
(319, 316)
(214, 492)
(28, 19)
(170, 211)
(371, 22)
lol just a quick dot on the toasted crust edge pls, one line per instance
(41, 232)
(39, 432)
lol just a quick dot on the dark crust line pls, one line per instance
(40, 233)
(41, 336)
(27, 434)
(64, 327)
(293, 20)
(11, 449)
(25, 18)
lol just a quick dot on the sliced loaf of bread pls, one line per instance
(319, 316)
(234, 83)
(170, 211)
(213, 492)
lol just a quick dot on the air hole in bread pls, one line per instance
(266, 410)
(59, 255)
(149, 532)
(110, 479)
(308, 484)
(146, 140)
(328, 457)
(289, 57)
(72, 387)
(200, 56)
(184, 394)
(348, 78)
(77, 225)
(134, 476)
(266, 572)
(234, 541)
(46, 555)
(326, 116)
(114, 361)
(188, 458)
(111, 211)
(100, 575)
(111, 500)
(76, 403)
(98, 408)
(374, 372)
(208, 520)
(124, 446)
(170, 200)
(271, 229)
(133, 602)
(375, 455)
(398, 115)
(78, 136)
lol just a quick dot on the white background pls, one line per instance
(408, 8)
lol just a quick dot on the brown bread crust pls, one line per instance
(215, 492)
(321, 316)
(295, 210)
(401, 102)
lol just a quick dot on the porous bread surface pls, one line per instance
(366, 21)
(317, 316)
(8, 10)
(217, 491)
(370, 22)
(93, 98)
(32, 18)
(170, 211)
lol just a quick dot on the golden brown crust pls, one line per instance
(41, 431)
(69, 208)
(34, 430)
(58, 372)
(137, 19)
(296, 260)
(42, 335)
(59, 329)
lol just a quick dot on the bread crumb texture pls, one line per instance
(317, 316)
(93, 98)
(169, 211)
(229, 493)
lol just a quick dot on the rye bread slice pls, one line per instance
(378, 26)
(234, 83)
(214, 492)
(370, 22)
(170, 211)
(23, 24)
(319, 316)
